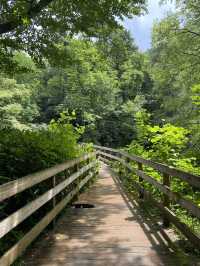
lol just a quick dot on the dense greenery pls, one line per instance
(36, 26)
(70, 73)
(92, 80)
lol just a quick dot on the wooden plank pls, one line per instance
(104, 160)
(185, 203)
(20, 215)
(186, 231)
(10, 189)
(105, 148)
(54, 199)
(122, 161)
(183, 228)
(98, 235)
(113, 233)
(13, 253)
(111, 156)
(192, 179)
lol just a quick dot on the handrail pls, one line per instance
(12, 188)
(193, 180)
(125, 159)
(16, 186)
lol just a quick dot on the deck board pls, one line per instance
(112, 233)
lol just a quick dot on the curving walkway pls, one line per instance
(112, 233)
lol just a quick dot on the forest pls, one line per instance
(71, 74)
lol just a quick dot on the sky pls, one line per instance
(140, 27)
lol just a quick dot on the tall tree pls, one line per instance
(34, 26)
(120, 49)
(85, 83)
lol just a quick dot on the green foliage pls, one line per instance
(26, 151)
(175, 68)
(103, 88)
(86, 82)
(162, 143)
(167, 141)
(35, 26)
(17, 104)
(107, 91)
(98, 84)
(167, 144)
(196, 96)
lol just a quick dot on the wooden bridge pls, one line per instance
(113, 229)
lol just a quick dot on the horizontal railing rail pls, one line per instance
(107, 154)
(192, 179)
(12, 188)
(85, 168)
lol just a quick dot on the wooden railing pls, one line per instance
(168, 173)
(84, 169)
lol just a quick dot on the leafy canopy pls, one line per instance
(34, 26)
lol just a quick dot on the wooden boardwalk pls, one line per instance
(112, 233)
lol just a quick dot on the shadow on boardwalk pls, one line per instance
(115, 232)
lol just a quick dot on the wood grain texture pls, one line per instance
(10, 256)
(10, 189)
(168, 215)
(20, 215)
(114, 233)
(193, 180)
(185, 203)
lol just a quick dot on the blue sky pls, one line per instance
(140, 27)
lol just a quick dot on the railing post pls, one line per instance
(78, 179)
(166, 200)
(141, 193)
(54, 199)
(94, 170)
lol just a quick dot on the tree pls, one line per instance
(18, 108)
(34, 26)
(86, 82)
(175, 66)
(120, 49)
(174, 71)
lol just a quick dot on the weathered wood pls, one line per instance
(20, 215)
(54, 198)
(184, 229)
(105, 149)
(10, 189)
(10, 256)
(111, 156)
(166, 201)
(114, 233)
(104, 160)
(192, 179)
(140, 168)
(122, 161)
(185, 203)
